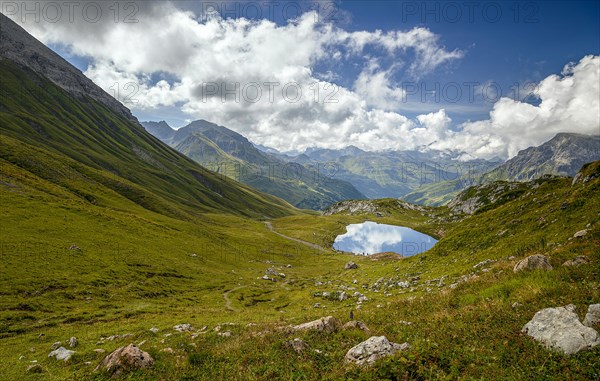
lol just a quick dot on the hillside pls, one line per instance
(563, 155)
(72, 139)
(231, 154)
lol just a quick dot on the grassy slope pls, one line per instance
(135, 271)
(232, 155)
(135, 267)
(42, 118)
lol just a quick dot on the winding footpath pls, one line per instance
(228, 305)
(309, 244)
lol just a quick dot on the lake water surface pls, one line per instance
(370, 238)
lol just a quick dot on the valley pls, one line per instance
(124, 255)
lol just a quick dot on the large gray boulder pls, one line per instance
(327, 324)
(124, 359)
(534, 262)
(593, 315)
(372, 349)
(559, 328)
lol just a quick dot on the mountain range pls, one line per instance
(232, 155)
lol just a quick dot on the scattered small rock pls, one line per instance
(577, 261)
(355, 324)
(99, 350)
(533, 262)
(61, 353)
(516, 305)
(74, 247)
(369, 351)
(35, 368)
(115, 337)
(183, 327)
(124, 359)
(559, 328)
(298, 345)
(56, 345)
(154, 330)
(483, 263)
(581, 233)
(593, 315)
(167, 350)
(225, 334)
(350, 266)
(73, 342)
(325, 324)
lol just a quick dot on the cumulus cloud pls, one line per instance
(569, 102)
(258, 77)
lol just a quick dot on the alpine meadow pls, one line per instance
(299, 190)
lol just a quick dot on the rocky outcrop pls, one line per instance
(560, 329)
(477, 197)
(372, 349)
(327, 324)
(533, 262)
(125, 359)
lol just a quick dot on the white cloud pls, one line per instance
(192, 52)
(569, 103)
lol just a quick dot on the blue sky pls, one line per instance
(528, 42)
(379, 57)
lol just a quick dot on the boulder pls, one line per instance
(325, 324)
(372, 349)
(355, 324)
(124, 359)
(61, 353)
(298, 345)
(534, 262)
(350, 266)
(577, 261)
(593, 315)
(559, 328)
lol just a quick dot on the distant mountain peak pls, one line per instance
(562, 155)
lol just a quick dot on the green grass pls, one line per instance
(157, 248)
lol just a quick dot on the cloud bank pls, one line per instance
(263, 80)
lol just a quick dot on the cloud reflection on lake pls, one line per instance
(370, 238)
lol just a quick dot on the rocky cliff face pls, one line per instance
(563, 155)
(20, 47)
